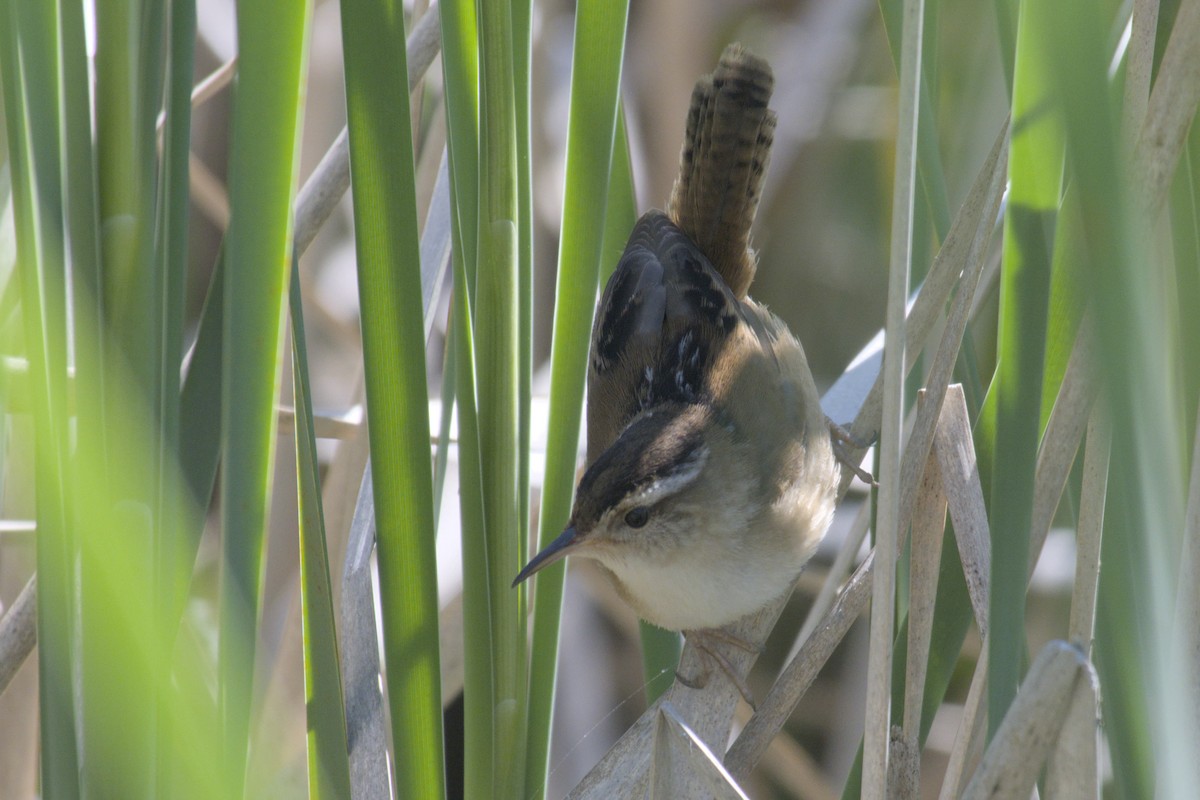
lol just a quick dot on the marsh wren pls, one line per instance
(711, 475)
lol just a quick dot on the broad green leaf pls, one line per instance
(272, 37)
(389, 281)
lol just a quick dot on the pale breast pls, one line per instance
(719, 577)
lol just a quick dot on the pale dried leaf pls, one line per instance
(969, 739)
(955, 452)
(1170, 111)
(18, 632)
(928, 525)
(1011, 765)
(1088, 531)
(683, 765)
(1064, 431)
(1074, 769)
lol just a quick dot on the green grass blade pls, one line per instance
(889, 525)
(1035, 172)
(1006, 26)
(128, 88)
(129, 68)
(171, 257)
(929, 160)
(1145, 680)
(1185, 213)
(1066, 300)
(328, 764)
(82, 218)
(478, 692)
(620, 213)
(381, 165)
(199, 410)
(27, 37)
(82, 229)
(936, 207)
(522, 56)
(953, 611)
(262, 183)
(460, 69)
(595, 83)
(174, 556)
(497, 323)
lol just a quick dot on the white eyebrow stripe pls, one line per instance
(673, 482)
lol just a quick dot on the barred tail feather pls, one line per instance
(725, 153)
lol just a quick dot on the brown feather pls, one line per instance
(723, 161)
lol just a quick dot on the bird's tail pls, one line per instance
(724, 158)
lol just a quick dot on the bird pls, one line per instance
(711, 471)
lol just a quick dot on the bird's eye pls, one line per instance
(637, 517)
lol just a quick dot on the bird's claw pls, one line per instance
(703, 641)
(842, 439)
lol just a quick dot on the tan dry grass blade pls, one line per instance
(802, 670)
(1169, 113)
(904, 768)
(928, 525)
(683, 766)
(951, 479)
(798, 675)
(974, 219)
(785, 695)
(1138, 68)
(1091, 523)
(18, 632)
(890, 521)
(206, 89)
(981, 206)
(875, 768)
(1074, 769)
(955, 455)
(624, 770)
(955, 452)
(1064, 431)
(1023, 742)
(968, 742)
(1060, 442)
(788, 764)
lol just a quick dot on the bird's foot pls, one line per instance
(842, 439)
(705, 641)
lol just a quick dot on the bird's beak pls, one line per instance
(557, 550)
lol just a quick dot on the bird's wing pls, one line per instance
(663, 317)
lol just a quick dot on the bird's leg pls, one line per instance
(841, 439)
(705, 640)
